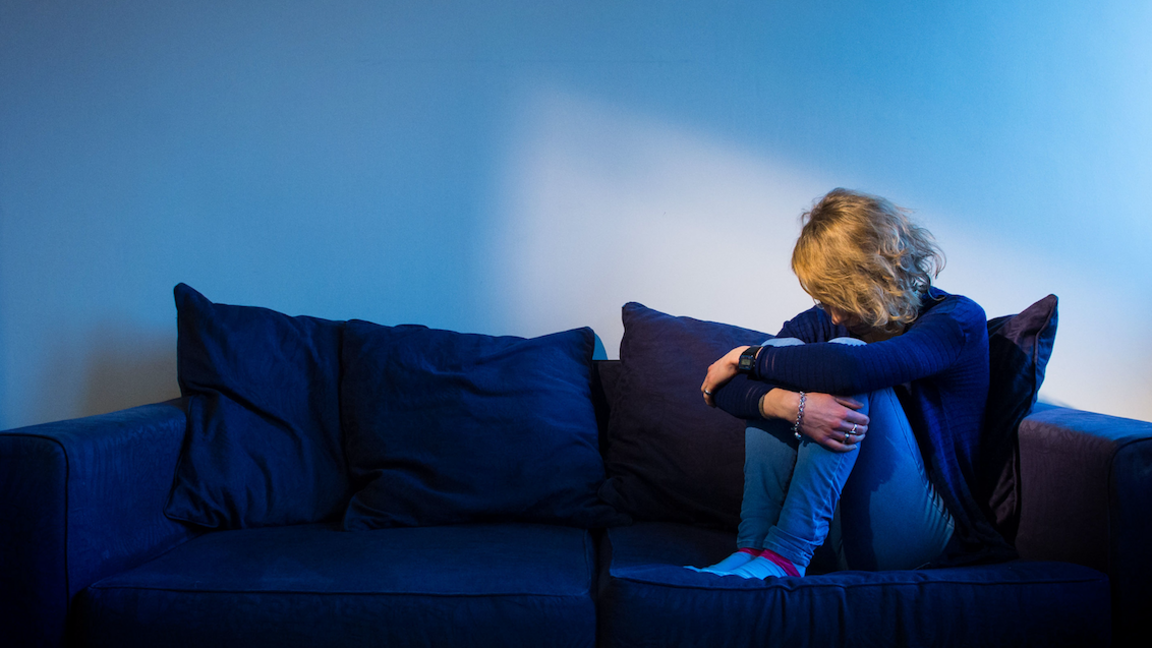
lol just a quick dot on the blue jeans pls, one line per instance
(872, 508)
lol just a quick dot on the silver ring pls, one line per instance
(854, 426)
(706, 392)
(847, 438)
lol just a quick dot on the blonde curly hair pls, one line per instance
(863, 256)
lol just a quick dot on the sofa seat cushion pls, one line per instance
(648, 598)
(314, 585)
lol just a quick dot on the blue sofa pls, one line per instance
(95, 549)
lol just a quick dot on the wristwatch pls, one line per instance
(747, 362)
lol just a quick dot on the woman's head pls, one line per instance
(861, 256)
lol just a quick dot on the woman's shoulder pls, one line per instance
(812, 325)
(939, 304)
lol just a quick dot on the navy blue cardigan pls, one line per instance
(939, 367)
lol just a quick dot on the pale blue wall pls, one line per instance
(521, 167)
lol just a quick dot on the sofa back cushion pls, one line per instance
(444, 427)
(262, 445)
(669, 456)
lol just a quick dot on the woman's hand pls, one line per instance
(833, 422)
(719, 373)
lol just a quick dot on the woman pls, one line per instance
(883, 354)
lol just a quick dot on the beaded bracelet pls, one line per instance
(799, 417)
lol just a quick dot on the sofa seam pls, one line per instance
(182, 590)
(589, 568)
(794, 588)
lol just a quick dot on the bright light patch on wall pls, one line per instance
(1100, 361)
(601, 207)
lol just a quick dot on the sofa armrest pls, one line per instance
(1086, 497)
(81, 500)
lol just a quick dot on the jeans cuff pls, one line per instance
(795, 549)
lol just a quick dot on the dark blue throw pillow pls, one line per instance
(1019, 347)
(444, 427)
(263, 444)
(670, 457)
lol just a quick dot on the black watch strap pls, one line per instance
(747, 363)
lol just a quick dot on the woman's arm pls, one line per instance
(740, 396)
(931, 345)
(826, 418)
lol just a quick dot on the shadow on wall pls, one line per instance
(126, 368)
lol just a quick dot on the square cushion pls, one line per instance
(1019, 347)
(262, 445)
(669, 456)
(444, 427)
(315, 585)
(647, 598)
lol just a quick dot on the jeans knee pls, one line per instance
(782, 342)
(847, 340)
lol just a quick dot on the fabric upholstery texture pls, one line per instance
(444, 427)
(669, 456)
(315, 585)
(1019, 347)
(648, 599)
(263, 442)
(81, 500)
(1085, 499)
(33, 542)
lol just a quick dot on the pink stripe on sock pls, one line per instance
(783, 562)
(750, 551)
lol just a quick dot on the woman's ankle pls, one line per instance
(789, 567)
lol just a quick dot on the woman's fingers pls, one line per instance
(840, 442)
(848, 402)
(717, 376)
(837, 445)
(834, 423)
(719, 373)
(853, 433)
(855, 429)
(852, 416)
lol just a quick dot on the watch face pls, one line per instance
(747, 358)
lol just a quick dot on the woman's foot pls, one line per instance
(736, 560)
(768, 564)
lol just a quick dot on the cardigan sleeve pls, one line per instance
(931, 345)
(741, 396)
